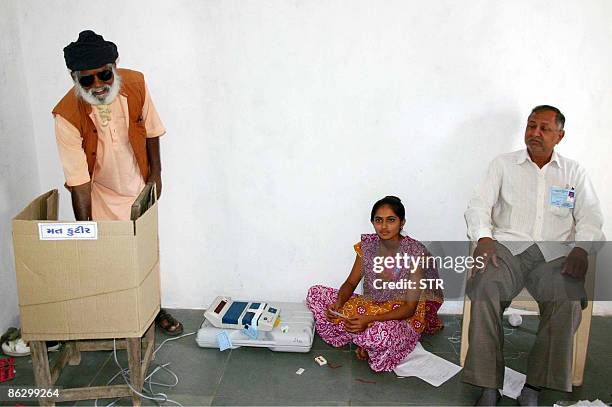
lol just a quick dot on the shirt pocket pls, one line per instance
(560, 212)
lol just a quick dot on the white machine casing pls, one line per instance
(294, 333)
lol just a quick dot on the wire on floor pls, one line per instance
(456, 336)
(149, 393)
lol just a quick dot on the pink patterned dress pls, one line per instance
(388, 342)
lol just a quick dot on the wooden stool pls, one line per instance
(46, 377)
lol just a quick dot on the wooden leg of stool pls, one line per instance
(149, 342)
(75, 353)
(134, 359)
(42, 372)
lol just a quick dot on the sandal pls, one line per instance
(168, 324)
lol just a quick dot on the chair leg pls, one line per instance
(581, 343)
(465, 329)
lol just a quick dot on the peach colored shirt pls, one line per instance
(116, 180)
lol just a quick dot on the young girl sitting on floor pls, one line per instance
(385, 322)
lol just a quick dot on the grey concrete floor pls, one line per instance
(255, 376)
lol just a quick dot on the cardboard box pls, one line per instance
(106, 287)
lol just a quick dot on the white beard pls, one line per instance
(88, 94)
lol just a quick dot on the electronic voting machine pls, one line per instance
(279, 326)
(225, 313)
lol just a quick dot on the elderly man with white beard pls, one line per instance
(107, 132)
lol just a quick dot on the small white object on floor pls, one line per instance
(320, 360)
(300, 371)
(284, 329)
(512, 310)
(515, 320)
(426, 366)
(586, 403)
(513, 383)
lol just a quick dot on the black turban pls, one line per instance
(90, 51)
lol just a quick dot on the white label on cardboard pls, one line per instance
(68, 231)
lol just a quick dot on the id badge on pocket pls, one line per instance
(562, 197)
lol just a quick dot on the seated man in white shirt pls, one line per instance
(530, 201)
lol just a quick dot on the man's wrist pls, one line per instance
(586, 246)
(481, 233)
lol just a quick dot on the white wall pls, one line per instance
(19, 180)
(287, 119)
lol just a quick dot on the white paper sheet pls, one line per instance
(426, 366)
(513, 383)
(585, 403)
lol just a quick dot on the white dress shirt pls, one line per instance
(513, 206)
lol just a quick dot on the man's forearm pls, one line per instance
(81, 201)
(154, 164)
(153, 155)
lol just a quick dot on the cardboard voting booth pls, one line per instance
(85, 280)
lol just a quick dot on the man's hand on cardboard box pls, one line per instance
(156, 178)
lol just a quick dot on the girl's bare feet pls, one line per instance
(361, 353)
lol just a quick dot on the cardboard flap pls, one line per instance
(52, 203)
(147, 241)
(43, 207)
(146, 199)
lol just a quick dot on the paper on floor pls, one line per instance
(426, 366)
(513, 383)
(586, 403)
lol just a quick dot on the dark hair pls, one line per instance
(559, 119)
(394, 202)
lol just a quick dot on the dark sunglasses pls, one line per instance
(88, 80)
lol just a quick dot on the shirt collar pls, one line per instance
(524, 156)
(521, 157)
(556, 159)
